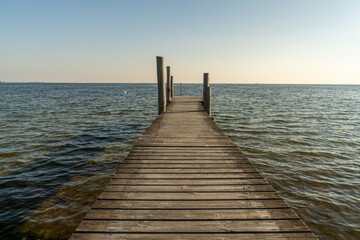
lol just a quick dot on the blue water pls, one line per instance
(60, 144)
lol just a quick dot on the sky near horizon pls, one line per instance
(254, 41)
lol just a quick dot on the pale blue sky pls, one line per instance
(255, 41)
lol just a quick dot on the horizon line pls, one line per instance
(350, 84)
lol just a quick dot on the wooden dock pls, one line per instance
(184, 179)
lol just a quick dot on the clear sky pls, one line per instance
(254, 41)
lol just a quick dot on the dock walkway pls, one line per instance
(184, 179)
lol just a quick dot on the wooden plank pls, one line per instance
(169, 158)
(192, 154)
(128, 165)
(188, 195)
(191, 175)
(188, 138)
(181, 182)
(196, 204)
(184, 141)
(216, 226)
(184, 152)
(186, 149)
(187, 161)
(185, 137)
(191, 158)
(198, 214)
(176, 144)
(191, 236)
(166, 150)
(185, 170)
(152, 188)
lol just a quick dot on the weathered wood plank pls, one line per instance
(189, 138)
(199, 214)
(203, 152)
(188, 195)
(128, 165)
(187, 161)
(191, 175)
(184, 236)
(186, 149)
(187, 181)
(183, 141)
(193, 154)
(264, 226)
(186, 170)
(196, 204)
(185, 157)
(152, 188)
(176, 144)
(184, 152)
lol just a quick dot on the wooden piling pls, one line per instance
(172, 87)
(205, 84)
(208, 100)
(168, 87)
(207, 94)
(161, 84)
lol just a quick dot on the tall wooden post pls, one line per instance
(206, 84)
(172, 87)
(207, 94)
(161, 84)
(168, 90)
(208, 101)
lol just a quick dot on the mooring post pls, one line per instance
(172, 87)
(161, 84)
(207, 94)
(208, 101)
(168, 90)
(206, 83)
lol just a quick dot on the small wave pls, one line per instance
(9, 154)
(320, 154)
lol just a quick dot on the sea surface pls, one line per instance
(61, 143)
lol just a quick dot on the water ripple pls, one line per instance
(305, 140)
(61, 143)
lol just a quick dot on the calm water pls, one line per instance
(60, 144)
